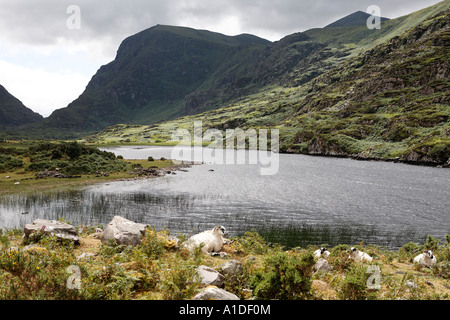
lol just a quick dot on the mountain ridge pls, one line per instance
(13, 113)
(356, 19)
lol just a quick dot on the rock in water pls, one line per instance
(123, 231)
(58, 229)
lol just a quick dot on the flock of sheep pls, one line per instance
(426, 259)
(212, 241)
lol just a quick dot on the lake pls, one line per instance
(311, 200)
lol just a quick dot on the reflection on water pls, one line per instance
(181, 214)
(311, 201)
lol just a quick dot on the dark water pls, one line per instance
(312, 200)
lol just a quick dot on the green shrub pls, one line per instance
(431, 243)
(9, 163)
(339, 257)
(179, 283)
(153, 244)
(110, 282)
(409, 251)
(37, 273)
(354, 285)
(439, 151)
(74, 160)
(285, 276)
(251, 242)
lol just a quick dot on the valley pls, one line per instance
(343, 90)
(335, 94)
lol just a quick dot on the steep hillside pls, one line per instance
(391, 101)
(152, 76)
(166, 72)
(13, 113)
(387, 98)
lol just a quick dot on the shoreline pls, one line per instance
(12, 183)
(356, 157)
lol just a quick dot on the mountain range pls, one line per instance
(341, 90)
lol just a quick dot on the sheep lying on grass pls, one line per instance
(360, 256)
(426, 259)
(322, 252)
(212, 240)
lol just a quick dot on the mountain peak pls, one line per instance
(356, 19)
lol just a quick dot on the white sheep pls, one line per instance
(212, 240)
(322, 252)
(426, 259)
(360, 256)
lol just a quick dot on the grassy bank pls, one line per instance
(29, 167)
(157, 269)
(29, 184)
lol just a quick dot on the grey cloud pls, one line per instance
(43, 22)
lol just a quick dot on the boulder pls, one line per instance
(322, 265)
(58, 229)
(214, 293)
(123, 231)
(232, 268)
(209, 276)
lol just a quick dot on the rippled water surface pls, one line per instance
(312, 200)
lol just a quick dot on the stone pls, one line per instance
(58, 229)
(86, 255)
(232, 268)
(214, 293)
(209, 277)
(322, 265)
(123, 232)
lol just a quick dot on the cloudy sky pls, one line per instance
(49, 50)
